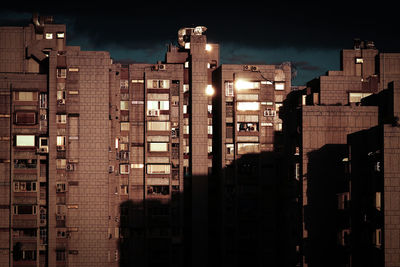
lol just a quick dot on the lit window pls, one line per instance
(61, 73)
(208, 47)
(124, 168)
(137, 166)
(161, 105)
(244, 148)
(209, 90)
(154, 84)
(124, 84)
(60, 35)
(279, 86)
(25, 140)
(124, 105)
(359, 60)
(124, 126)
(210, 129)
(242, 84)
(228, 88)
(247, 97)
(49, 36)
(60, 143)
(158, 168)
(230, 149)
(61, 118)
(356, 97)
(242, 106)
(158, 125)
(158, 147)
(25, 96)
(61, 163)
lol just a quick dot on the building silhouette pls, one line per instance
(189, 162)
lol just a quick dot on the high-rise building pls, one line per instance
(317, 122)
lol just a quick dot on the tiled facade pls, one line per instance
(319, 120)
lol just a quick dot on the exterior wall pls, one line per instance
(247, 210)
(391, 159)
(322, 125)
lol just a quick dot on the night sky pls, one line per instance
(310, 35)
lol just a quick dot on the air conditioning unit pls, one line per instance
(155, 67)
(269, 112)
(70, 167)
(254, 68)
(246, 67)
(43, 145)
(153, 112)
(61, 101)
(162, 67)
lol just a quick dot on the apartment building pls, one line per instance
(248, 161)
(97, 158)
(317, 121)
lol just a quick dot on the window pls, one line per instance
(25, 140)
(247, 127)
(359, 60)
(43, 100)
(61, 73)
(154, 84)
(279, 85)
(247, 97)
(25, 186)
(158, 147)
(124, 168)
(242, 84)
(25, 209)
(161, 105)
(60, 255)
(356, 97)
(49, 36)
(378, 200)
(25, 96)
(60, 187)
(60, 143)
(61, 118)
(158, 190)
(60, 35)
(124, 189)
(210, 129)
(158, 168)
(230, 149)
(25, 163)
(124, 105)
(244, 148)
(158, 125)
(61, 163)
(243, 106)
(25, 118)
(124, 126)
(123, 84)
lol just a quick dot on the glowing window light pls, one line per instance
(242, 84)
(242, 106)
(208, 47)
(209, 90)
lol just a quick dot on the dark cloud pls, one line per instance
(272, 25)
